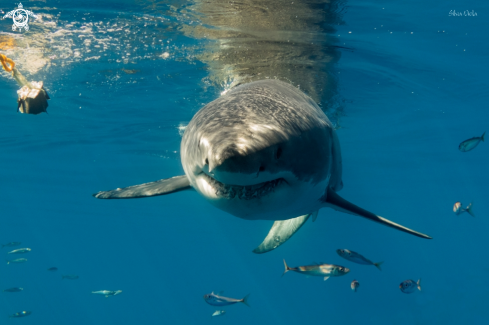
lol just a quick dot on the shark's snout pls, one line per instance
(233, 166)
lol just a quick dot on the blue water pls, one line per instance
(411, 82)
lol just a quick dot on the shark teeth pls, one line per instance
(243, 192)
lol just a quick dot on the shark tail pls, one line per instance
(377, 265)
(287, 268)
(469, 210)
(419, 284)
(482, 137)
(245, 300)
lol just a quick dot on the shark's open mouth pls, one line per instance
(248, 192)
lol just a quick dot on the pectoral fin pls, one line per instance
(333, 200)
(281, 231)
(161, 187)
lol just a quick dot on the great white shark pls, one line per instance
(262, 151)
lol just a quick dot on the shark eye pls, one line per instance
(262, 168)
(279, 153)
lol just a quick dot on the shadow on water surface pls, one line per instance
(256, 40)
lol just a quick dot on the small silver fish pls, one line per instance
(457, 208)
(11, 244)
(471, 143)
(217, 300)
(324, 270)
(13, 290)
(17, 260)
(20, 251)
(107, 293)
(20, 314)
(53, 269)
(354, 285)
(219, 313)
(357, 258)
(409, 286)
(69, 277)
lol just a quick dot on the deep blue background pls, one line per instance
(414, 85)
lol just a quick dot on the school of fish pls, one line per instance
(106, 293)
